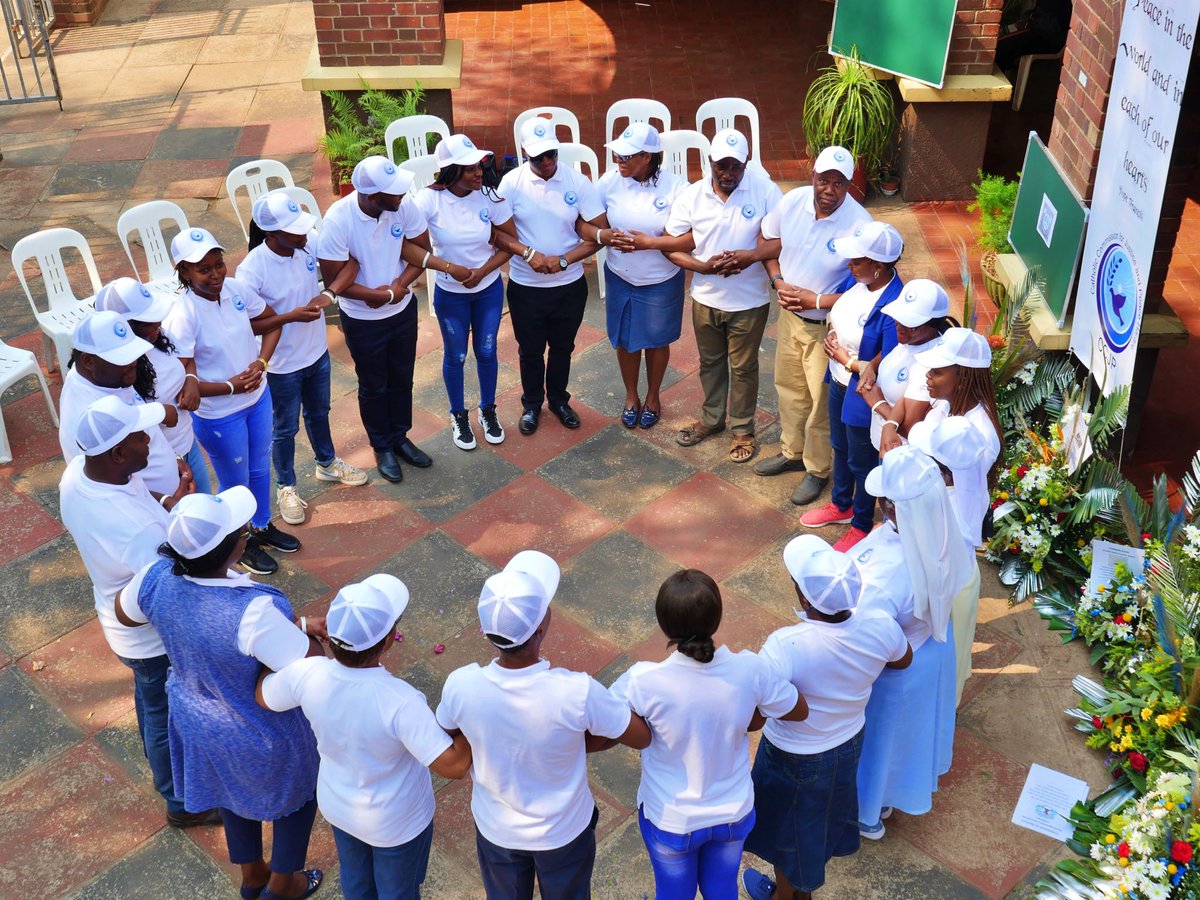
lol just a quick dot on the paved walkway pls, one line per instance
(162, 98)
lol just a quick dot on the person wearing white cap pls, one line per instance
(529, 726)
(464, 214)
(216, 324)
(547, 290)
(808, 274)
(282, 269)
(695, 800)
(896, 386)
(805, 792)
(104, 363)
(372, 228)
(219, 629)
(859, 335)
(643, 289)
(377, 739)
(117, 525)
(160, 374)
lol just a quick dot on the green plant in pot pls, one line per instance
(995, 197)
(846, 105)
(355, 128)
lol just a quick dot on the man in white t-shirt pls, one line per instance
(805, 773)
(808, 275)
(529, 727)
(118, 526)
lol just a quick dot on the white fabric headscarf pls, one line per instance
(960, 447)
(938, 559)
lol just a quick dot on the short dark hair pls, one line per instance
(688, 609)
(497, 640)
(201, 565)
(356, 659)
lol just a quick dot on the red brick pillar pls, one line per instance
(973, 40)
(401, 33)
(77, 12)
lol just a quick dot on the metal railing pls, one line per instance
(27, 72)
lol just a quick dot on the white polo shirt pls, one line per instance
(460, 230)
(718, 225)
(971, 506)
(169, 376)
(117, 529)
(900, 375)
(545, 211)
(347, 231)
(886, 583)
(161, 474)
(376, 736)
(219, 337)
(694, 773)
(643, 206)
(847, 318)
(807, 257)
(833, 666)
(525, 726)
(287, 283)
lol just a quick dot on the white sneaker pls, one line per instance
(291, 506)
(493, 431)
(340, 470)
(460, 431)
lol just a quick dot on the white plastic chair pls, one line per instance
(725, 111)
(415, 131)
(306, 200)
(255, 177)
(16, 364)
(424, 169)
(146, 219)
(1024, 64)
(635, 109)
(676, 145)
(63, 309)
(555, 116)
(577, 156)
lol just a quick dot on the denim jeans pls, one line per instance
(289, 838)
(853, 459)
(239, 447)
(478, 316)
(306, 389)
(383, 873)
(707, 858)
(150, 703)
(564, 873)
(199, 464)
(384, 353)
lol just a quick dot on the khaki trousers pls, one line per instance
(728, 343)
(800, 366)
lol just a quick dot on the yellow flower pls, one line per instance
(1164, 721)
(1110, 839)
(1100, 589)
(1123, 862)
(1172, 869)
(1043, 502)
(1114, 747)
(1003, 495)
(1147, 713)
(1081, 543)
(1169, 805)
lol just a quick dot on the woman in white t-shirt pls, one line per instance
(696, 800)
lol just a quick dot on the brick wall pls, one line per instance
(77, 12)
(973, 40)
(365, 33)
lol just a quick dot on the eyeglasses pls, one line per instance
(542, 157)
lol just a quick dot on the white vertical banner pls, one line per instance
(1151, 70)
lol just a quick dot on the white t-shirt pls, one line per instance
(847, 318)
(169, 376)
(694, 773)
(886, 582)
(376, 737)
(545, 212)
(161, 474)
(718, 225)
(460, 230)
(833, 665)
(525, 727)
(219, 337)
(643, 206)
(117, 529)
(287, 283)
(807, 257)
(971, 504)
(347, 231)
(900, 375)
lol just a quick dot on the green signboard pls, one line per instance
(905, 37)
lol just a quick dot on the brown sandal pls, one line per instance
(695, 433)
(743, 448)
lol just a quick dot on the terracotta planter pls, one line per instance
(345, 189)
(991, 279)
(858, 184)
(889, 187)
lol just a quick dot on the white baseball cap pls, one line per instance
(379, 175)
(835, 159)
(192, 245)
(957, 347)
(110, 420)
(277, 211)
(905, 473)
(457, 150)
(729, 143)
(873, 240)
(130, 299)
(639, 137)
(363, 613)
(829, 580)
(537, 136)
(919, 301)
(513, 602)
(954, 442)
(199, 522)
(108, 336)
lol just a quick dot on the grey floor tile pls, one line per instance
(205, 142)
(168, 865)
(93, 180)
(596, 380)
(43, 595)
(31, 729)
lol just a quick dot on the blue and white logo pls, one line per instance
(539, 130)
(862, 320)
(238, 303)
(858, 231)
(485, 216)
(310, 264)
(661, 202)
(627, 132)
(389, 169)
(145, 291)
(1116, 297)
(829, 246)
(397, 230)
(292, 207)
(570, 198)
(902, 375)
(120, 330)
(197, 235)
(467, 143)
(910, 296)
(214, 498)
(839, 155)
(747, 211)
(865, 555)
(731, 140)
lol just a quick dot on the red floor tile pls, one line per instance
(102, 144)
(31, 433)
(551, 438)
(991, 652)
(24, 524)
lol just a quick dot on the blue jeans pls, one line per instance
(383, 873)
(564, 873)
(199, 465)
(477, 316)
(384, 353)
(289, 838)
(150, 703)
(707, 858)
(239, 448)
(853, 458)
(306, 389)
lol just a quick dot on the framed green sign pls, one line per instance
(905, 37)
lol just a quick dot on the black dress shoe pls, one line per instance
(566, 415)
(413, 455)
(192, 820)
(388, 465)
(529, 420)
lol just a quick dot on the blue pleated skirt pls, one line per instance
(643, 317)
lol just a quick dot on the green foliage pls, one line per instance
(847, 106)
(995, 197)
(356, 129)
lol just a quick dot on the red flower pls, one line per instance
(1123, 850)
(1181, 852)
(1137, 762)
(1096, 723)
(1021, 470)
(1146, 536)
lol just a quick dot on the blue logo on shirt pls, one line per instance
(238, 303)
(865, 555)
(829, 246)
(310, 264)
(747, 211)
(862, 320)
(485, 216)
(902, 375)
(661, 202)
(570, 198)
(120, 330)
(397, 230)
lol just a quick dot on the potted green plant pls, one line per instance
(846, 105)
(995, 197)
(355, 128)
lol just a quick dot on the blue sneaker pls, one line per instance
(757, 885)
(872, 832)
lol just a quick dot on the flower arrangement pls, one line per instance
(1113, 618)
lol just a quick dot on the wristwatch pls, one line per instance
(562, 262)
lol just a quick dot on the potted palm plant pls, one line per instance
(354, 128)
(995, 198)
